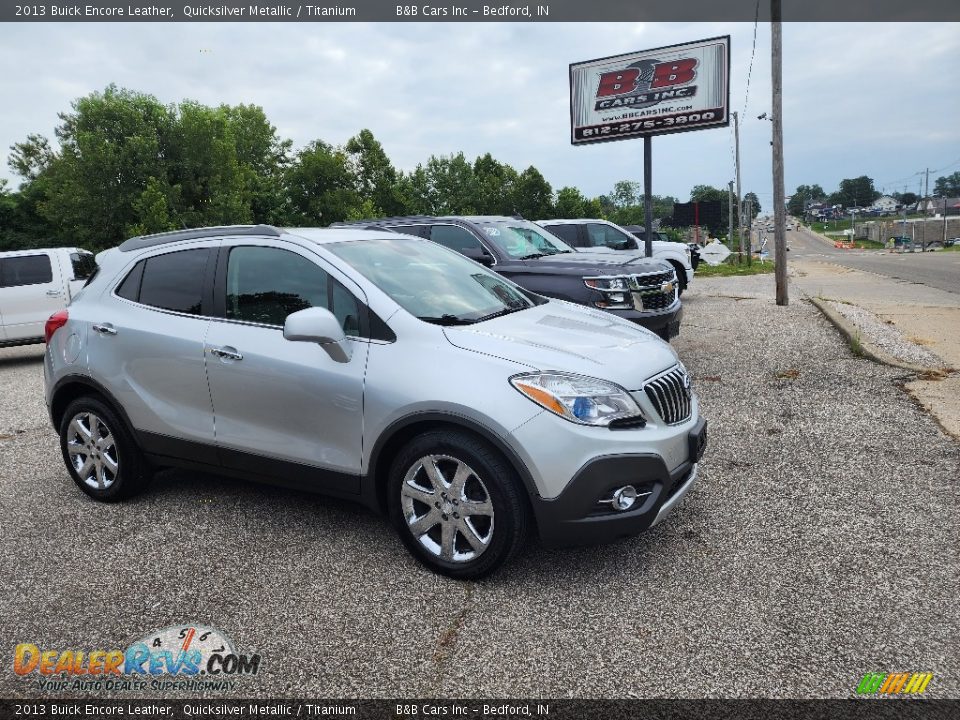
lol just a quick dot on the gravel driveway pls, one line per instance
(821, 542)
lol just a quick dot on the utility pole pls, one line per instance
(736, 135)
(926, 192)
(779, 211)
(730, 218)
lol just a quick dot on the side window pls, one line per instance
(130, 287)
(264, 285)
(455, 238)
(606, 236)
(175, 281)
(83, 264)
(567, 233)
(25, 270)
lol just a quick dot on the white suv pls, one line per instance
(377, 367)
(590, 235)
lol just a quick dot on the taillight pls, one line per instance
(54, 323)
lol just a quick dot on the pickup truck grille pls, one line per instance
(671, 396)
(648, 290)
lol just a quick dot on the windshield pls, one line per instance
(522, 240)
(431, 282)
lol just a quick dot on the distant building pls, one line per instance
(884, 204)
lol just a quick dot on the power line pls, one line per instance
(756, 19)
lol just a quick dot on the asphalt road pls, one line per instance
(820, 543)
(935, 269)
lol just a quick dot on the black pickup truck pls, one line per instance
(640, 289)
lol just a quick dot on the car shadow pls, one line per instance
(15, 357)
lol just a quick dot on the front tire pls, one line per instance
(99, 451)
(457, 504)
(681, 277)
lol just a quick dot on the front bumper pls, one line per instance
(578, 516)
(668, 319)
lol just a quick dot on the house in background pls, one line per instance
(885, 204)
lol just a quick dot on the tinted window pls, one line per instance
(130, 287)
(455, 238)
(605, 236)
(567, 233)
(264, 285)
(84, 265)
(175, 281)
(25, 270)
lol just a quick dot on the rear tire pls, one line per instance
(99, 451)
(457, 504)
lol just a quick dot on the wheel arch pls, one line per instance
(401, 431)
(71, 387)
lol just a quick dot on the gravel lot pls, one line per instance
(886, 337)
(822, 542)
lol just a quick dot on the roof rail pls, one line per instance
(144, 241)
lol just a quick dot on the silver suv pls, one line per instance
(377, 367)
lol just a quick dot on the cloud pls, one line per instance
(858, 99)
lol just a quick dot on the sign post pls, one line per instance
(652, 92)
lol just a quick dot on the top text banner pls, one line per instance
(473, 11)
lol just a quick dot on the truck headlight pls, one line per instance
(606, 283)
(579, 399)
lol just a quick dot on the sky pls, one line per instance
(872, 99)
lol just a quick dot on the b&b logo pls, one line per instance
(646, 83)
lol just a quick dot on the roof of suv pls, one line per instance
(316, 235)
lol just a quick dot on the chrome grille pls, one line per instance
(654, 280)
(670, 395)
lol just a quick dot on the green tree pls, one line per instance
(533, 196)
(570, 203)
(947, 186)
(377, 178)
(626, 194)
(753, 202)
(495, 183)
(802, 197)
(321, 186)
(855, 192)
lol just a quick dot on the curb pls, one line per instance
(852, 334)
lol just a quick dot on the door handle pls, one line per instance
(105, 329)
(53, 293)
(227, 353)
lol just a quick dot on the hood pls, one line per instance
(570, 338)
(597, 263)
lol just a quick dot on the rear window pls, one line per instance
(567, 233)
(84, 265)
(25, 270)
(170, 282)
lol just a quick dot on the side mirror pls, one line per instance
(318, 325)
(479, 254)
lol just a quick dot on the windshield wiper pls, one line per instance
(504, 311)
(532, 256)
(446, 320)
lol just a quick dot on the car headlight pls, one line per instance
(579, 399)
(606, 283)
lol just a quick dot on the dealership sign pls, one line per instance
(665, 90)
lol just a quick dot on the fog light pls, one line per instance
(624, 498)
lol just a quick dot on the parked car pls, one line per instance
(589, 235)
(36, 283)
(640, 234)
(377, 367)
(641, 289)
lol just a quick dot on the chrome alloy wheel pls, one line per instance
(92, 451)
(447, 508)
